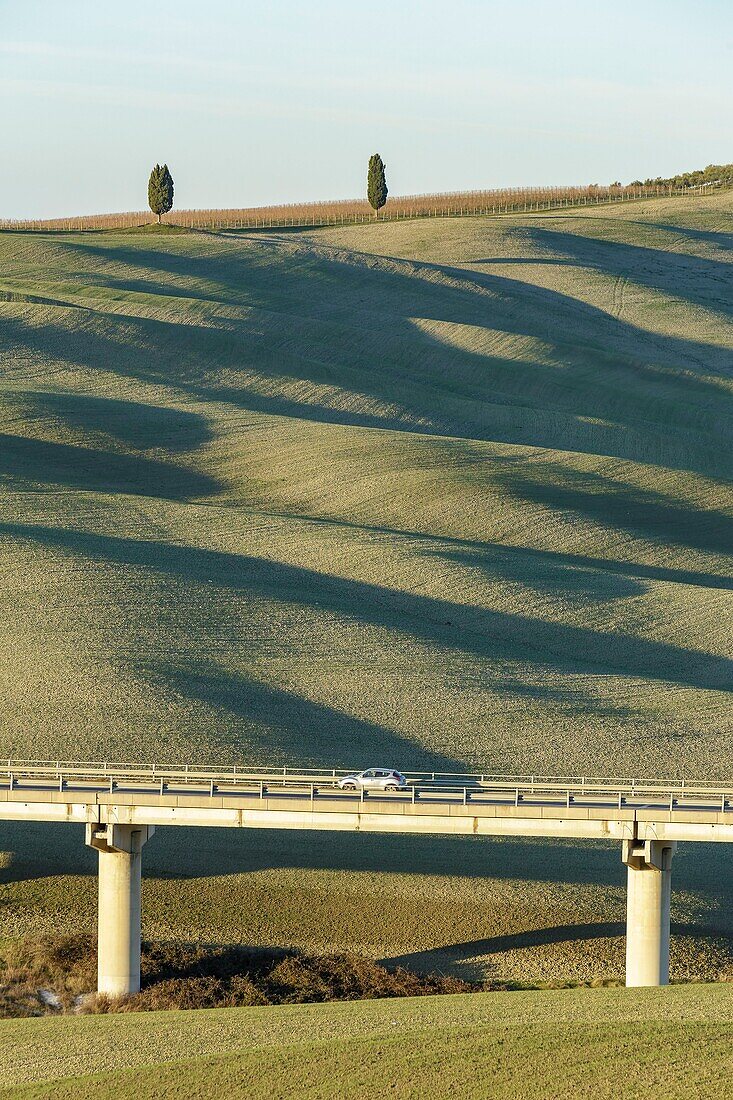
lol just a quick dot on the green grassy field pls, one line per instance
(447, 494)
(586, 1043)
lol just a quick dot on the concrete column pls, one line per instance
(118, 927)
(648, 897)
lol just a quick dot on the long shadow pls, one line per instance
(638, 367)
(316, 282)
(188, 291)
(46, 850)
(507, 860)
(43, 851)
(458, 954)
(519, 261)
(702, 281)
(191, 358)
(479, 632)
(701, 882)
(575, 324)
(20, 296)
(723, 241)
(549, 570)
(645, 513)
(718, 238)
(568, 580)
(294, 727)
(481, 397)
(39, 462)
(188, 370)
(131, 422)
(223, 277)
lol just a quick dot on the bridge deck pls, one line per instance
(481, 805)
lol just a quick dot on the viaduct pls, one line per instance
(121, 806)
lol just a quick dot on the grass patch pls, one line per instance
(594, 1043)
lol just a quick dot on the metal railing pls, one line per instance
(433, 786)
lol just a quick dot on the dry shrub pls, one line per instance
(186, 976)
(302, 978)
(161, 961)
(19, 999)
(50, 958)
(181, 976)
(62, 965)
(200, 992)
(243, 992)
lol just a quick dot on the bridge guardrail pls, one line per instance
(93, 769)
(237, 779)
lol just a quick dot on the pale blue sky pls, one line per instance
(251, 103)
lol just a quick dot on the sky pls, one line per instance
(284, 101)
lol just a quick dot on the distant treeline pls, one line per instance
(714, 174)
(401, 207)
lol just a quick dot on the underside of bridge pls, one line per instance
(649, 866)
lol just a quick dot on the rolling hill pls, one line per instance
(445, 495)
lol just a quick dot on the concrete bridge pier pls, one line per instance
(648, 898)
(119, 930)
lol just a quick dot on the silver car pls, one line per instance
(374, 779)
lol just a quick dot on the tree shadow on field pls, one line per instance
(600, 385)
(175, 269)
(642, 512)
(551, 576)
(286, 726)
(717, 237)
(701, 281)
(44, 463)
(91, 465)
(132, 423)
(548, 570)
(477, 631)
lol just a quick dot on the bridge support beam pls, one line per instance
(118, 928)
(648, 898)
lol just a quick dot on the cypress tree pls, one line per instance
(160, 190)
(376, 184)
